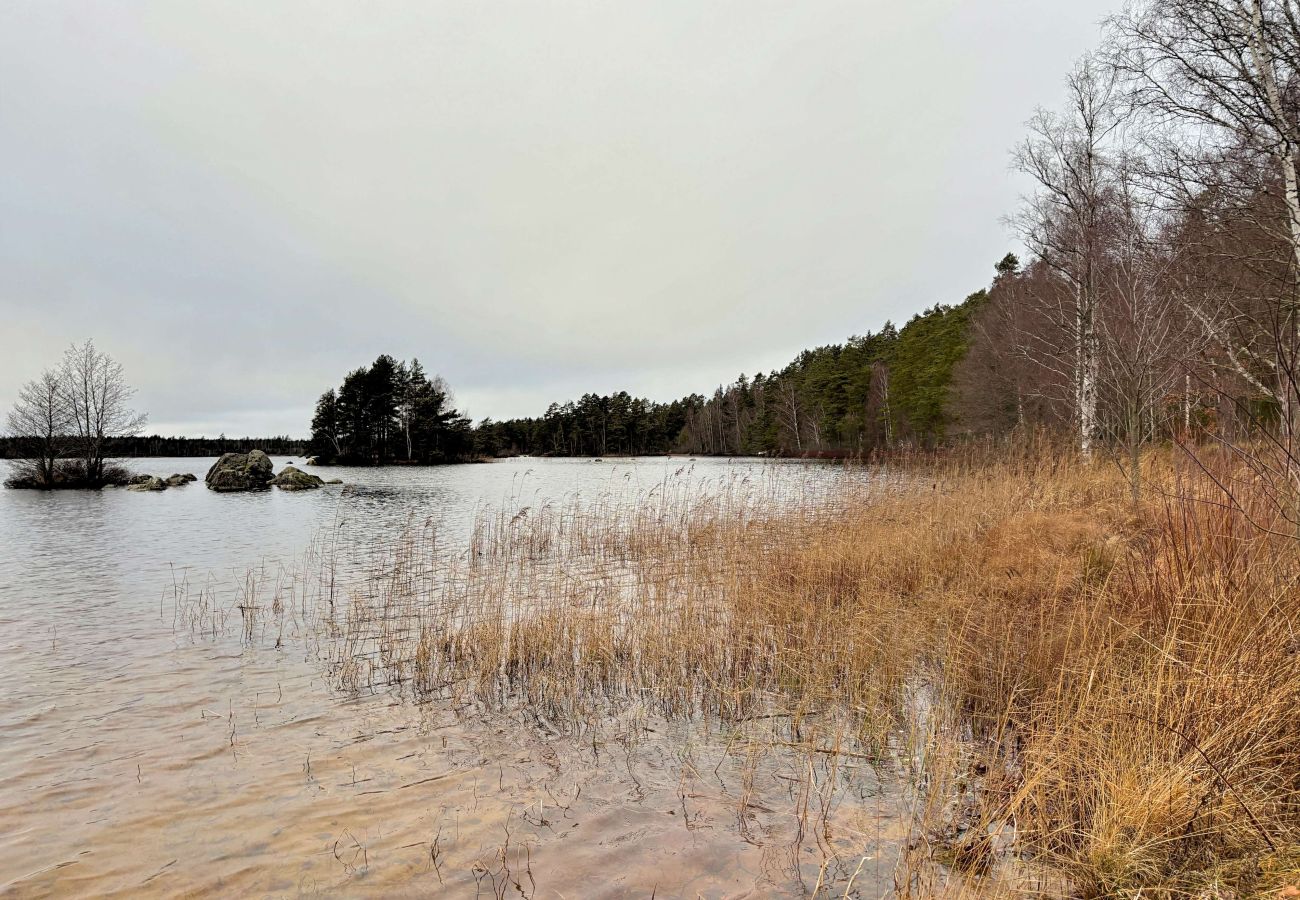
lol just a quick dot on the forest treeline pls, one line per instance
(872, 391)
(131, 446)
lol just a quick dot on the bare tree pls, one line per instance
(878, 408)
(97, 398)
(1062, 223)
(998, 385)
(790, 411)
(1223, 78)
(41, 421)
(1146, 336)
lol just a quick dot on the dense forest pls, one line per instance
(389, 412)
(873, 391)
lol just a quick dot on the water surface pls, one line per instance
(141, 758)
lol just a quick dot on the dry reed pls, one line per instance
(1084, 696)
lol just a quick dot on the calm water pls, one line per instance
(137, 759)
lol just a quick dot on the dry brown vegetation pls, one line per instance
(1083, 696)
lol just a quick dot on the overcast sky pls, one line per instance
(241, 201)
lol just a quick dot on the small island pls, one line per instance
(390, 413)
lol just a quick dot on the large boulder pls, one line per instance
(149, 483)
(291, 479)
(138, 479)
(178, 480)
(249, 471)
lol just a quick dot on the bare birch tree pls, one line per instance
(1062, 224)
(1223, 77)
(97, 398)
(41, 422)
(1146, 336)
(878, 409)
(790, 411)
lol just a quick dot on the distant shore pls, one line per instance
(158, 446)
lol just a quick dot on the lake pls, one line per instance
(141, 757)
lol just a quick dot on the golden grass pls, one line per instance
(1087, 697)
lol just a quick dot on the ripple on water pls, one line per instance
(137, 760)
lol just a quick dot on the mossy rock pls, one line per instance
(291, 479)
(241, 472)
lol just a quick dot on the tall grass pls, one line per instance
(1087, 697)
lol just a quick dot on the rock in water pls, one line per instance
(150, 483)
(138, 479)
(291, 479)
(250, 471)
(178, 479)
(334, 481)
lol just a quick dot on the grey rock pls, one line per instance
(151, 483)
(291, 479)
(240, 472)
(179, 480)
(138, 479)
(334, 481)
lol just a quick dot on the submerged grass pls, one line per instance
(1087, 697)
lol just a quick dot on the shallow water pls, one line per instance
(139, 758)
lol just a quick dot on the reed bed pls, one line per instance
(1083, 696)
